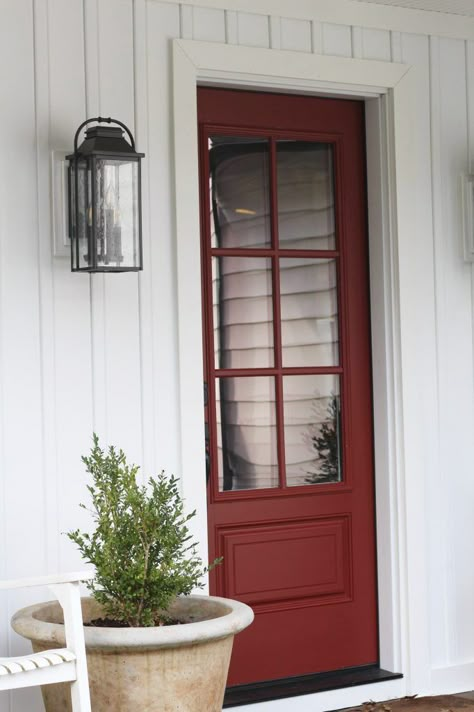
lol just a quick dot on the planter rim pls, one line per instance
(231, 617)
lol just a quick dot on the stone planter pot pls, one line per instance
(177, 668)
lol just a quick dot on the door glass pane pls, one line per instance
(246, 433)
(312, 415)
(243, 312)
(240, 192)
(309, 319)
(305, 195)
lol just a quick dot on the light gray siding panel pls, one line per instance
(295, 35)
(253, 30)
(376, 44)
(337, 40)
(209, 24)
(21, 436)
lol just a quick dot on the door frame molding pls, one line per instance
(388, 89)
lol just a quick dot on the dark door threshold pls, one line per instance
(305, 684)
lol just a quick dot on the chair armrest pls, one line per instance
(52, 579)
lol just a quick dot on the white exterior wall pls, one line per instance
(80, 353)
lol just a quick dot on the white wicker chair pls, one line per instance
(59, 665)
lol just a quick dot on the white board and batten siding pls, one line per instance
(79, 354)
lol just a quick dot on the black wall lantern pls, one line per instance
(105, 224)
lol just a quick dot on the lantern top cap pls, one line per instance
(108, 140)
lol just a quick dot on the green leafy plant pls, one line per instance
(141, 547)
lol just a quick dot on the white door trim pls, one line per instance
(388, 89)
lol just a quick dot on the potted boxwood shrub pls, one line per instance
(151, 646)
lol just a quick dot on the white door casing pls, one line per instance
(388, 89)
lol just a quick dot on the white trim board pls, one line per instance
(393, 230)
(351, 12)
(317, 72)
(452, 7)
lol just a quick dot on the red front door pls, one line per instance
(287, 354)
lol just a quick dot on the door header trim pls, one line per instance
(284, 70)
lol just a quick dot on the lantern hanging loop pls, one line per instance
(101, 120)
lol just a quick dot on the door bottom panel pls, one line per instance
(306, 684)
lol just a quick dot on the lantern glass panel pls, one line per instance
(117, 221)
(80, 216)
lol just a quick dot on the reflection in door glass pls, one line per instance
(309, 319)
(305, 195)
(242, 312)
(312, 414)
(239, 192)
(246, 433)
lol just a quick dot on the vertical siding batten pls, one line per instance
(147, 384)
(396, 46)
(96, 282)
(163, 24)
(46, 288)
(275, 31)
(415, 52)
(186, 22)
(118, 338)
(441, 639)
(316, 37)
(5, 700)
(231, 27)
(357, 42)
(470, 149)
(455, 324)
(72, 325)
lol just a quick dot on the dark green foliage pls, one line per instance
(141, 547)
(326, 442)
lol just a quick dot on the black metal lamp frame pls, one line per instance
(74, 158)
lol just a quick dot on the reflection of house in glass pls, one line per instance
(244, 301)
(324, 439)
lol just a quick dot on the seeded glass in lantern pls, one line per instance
(105, 201)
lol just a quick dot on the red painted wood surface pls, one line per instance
(303, 557)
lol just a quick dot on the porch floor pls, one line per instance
(443, 703)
